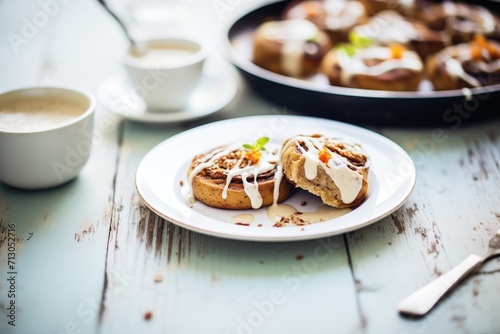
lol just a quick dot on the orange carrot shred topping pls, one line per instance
(480, 40)
(475, 52)
(324, 156)
(397, 51)
(253, 156)
(480, 48)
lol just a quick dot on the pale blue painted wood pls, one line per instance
(226, 284)
(62, 232)
(93, 259)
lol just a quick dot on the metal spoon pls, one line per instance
(136, 48)
(421, 301)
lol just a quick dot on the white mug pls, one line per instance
(165, 75)
(45, 135)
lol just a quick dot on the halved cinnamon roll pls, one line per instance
(378, 67)
(290, 47)
(234, 177)
(332, 168)
(335, 17)
(472, 64)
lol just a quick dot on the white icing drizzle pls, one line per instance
(455, 69)
(467, 93)
(449, 8)
(291, 57)
(335, 7)
(355, 64)
(293, 34)
(479, 18)
(387, 27)
(454, 56)
(267, 162)
(294, 29)
(490, 67)
(407, 4)
(338, 168)
(278, 176)
(343, 13)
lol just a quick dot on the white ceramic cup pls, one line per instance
(45, 135)
(167, 73)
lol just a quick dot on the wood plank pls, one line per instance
(62, 232)
(231, 286)
(130, 262)
(434, 231)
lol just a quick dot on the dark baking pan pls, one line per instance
(452, 108)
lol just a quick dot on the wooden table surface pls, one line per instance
(91, 258)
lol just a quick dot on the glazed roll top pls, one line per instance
(376, 67)
(389, 27)
(376, 61)
(462, 20)
(335, 17)
(472, 64)
(237, 178)
(290, 47)
(332, 168)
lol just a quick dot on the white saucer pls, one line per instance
(215, 90)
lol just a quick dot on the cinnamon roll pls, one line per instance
(408, 8)
(332, 168)
(389, 27)
(290, 47)
(462, 20)
(233, 177)
(391, 68)
(472, 64)
(335, 17)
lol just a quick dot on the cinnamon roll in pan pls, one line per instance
(336, 18)
(377, 68)
(389, 27)
(461, 20)
(408, 8)
(466, 65)
(290, 47)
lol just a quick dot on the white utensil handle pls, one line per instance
(422, 300)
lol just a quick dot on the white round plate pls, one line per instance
(215, 90)
(161, 178)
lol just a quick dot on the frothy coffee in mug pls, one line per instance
(38, 114)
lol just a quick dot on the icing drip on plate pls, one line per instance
(282, 215)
